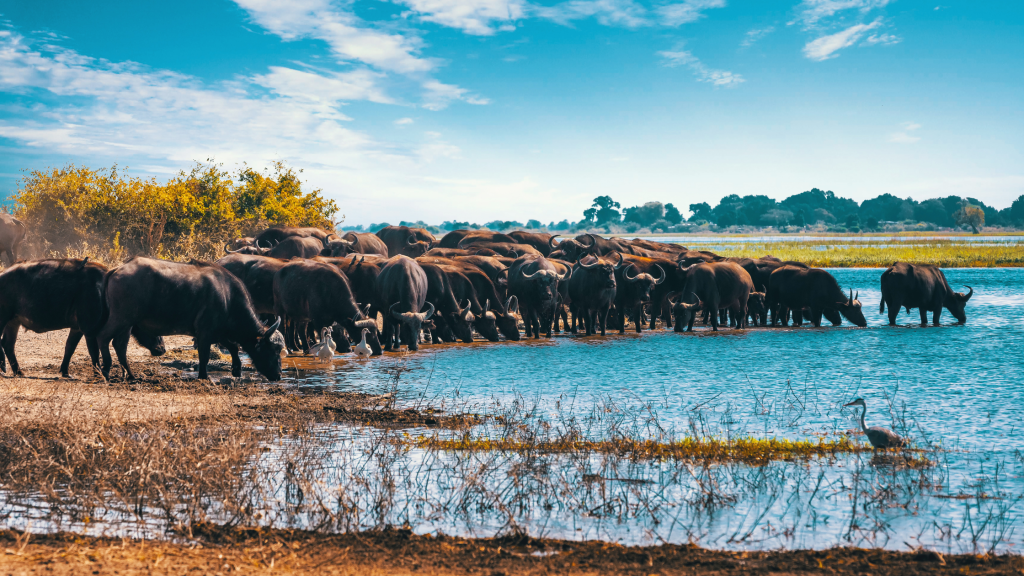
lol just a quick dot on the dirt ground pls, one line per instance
(400, 552)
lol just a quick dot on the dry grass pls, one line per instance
(833, 254)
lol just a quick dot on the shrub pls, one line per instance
(76, 210)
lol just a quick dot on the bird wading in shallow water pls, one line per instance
(362, 350)
(324, 351)
(878, 436)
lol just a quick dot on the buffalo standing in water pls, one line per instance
(402, 291)
(533, 280)
(592, 291)
(796, 288)
(920, 286)
(201, 300)
(717, 285)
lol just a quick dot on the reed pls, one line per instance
(829, 254)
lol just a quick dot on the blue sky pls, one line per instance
(516, 109)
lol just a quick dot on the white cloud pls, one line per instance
(686, 12)
(403, 121)
(439, 95)
(814, 11)
(625, 13)
(471, 16)
(883, 39)
(677, 58)
(826, 47)
(905, 135)
(327, 88)
(755, 35)
(348, 36)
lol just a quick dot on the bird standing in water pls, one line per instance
(363, 350)
(324, 351)
(878, 436)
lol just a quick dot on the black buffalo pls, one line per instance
(455, 237)
(402, 293)
(366, 243)
(297, 247)
(201, 300)
(814, 289)
(317, 293)
(274, 236)
(635, 279)
(45, 295)
(592, 290)
(921, 286)
(542, 242)
(713, 286)
(402, 240)
(534, 281)
(452, 320)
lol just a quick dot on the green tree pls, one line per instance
(645, 215)
(969, 215)
(604, 211)
(701, 212)
(672, 215)
(1017, 211)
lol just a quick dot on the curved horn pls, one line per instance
(592, 240)
(625, 273)
(411, 240)
(395, 315)
(566, 276)
(228, 250)
(662, 276)
(487, 309)
(465, 313)
(851, 294)
(621, 261)
(272, 328)
(514, 255)
(528, 276)
(969, 294)
(509, 308)
(686, 306)
(596, 263)
(427, 315)
(551, 241)
(857, 295)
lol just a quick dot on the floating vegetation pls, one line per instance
(746, 449)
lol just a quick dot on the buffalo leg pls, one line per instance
(236, 362)
(894, 312)
(74, 337)
(639, 320)
(924, 316)
(10, 338)
(121, 348)
(604, 320)
(935, 315)
(203, 348)
(620, 313)
(816, 317)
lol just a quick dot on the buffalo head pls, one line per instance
(602, 272)
(851, 310)
(462, 327)
(268, 351)
(414, 320)
(643, 282)
(682, 312)
(337, 247)
(956, 304)
(756, 307)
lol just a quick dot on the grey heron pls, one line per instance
(878, 436)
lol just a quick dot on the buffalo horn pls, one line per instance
(227, 249)
(596, 263)
(510, 307)
(592, 240)
(514, 254)
(427, 315)
(621, 260)
(528, 276)
(661, 276)
(969, 294)
(395, 315)
(411, 240)
(270, 329)
(465, 313)
(625, 273)
(563, 277)
(487, 310)
(551, 241)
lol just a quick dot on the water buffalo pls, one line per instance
(366, 243)
(798, 288)
(691, 257)
(12, 234)
(45, 295)
(240, 243)
(496, 314)
(542, 242)
(921, 286)
(198, 299)
(507, 249)
(452, 320)
(402, 293)
(402, 240)
(592, 290)
(337, 248)
(715, 286)
(757, 309)
(248, 249)
(652, 246)
(455, 237)
(491, 266)
(533, 280)
(274, 236)
(318, 293)
(297, 247)
(635, 279)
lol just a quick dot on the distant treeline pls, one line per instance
(815, 209)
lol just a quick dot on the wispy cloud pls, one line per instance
(439, 95)
(626, 13)
(755, 35)
(477, 17)
(404, 121)
(905, 135)
(685, 12)
(813, 12)
(883, 39)
(678, 58)
(827, 47)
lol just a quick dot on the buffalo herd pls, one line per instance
(278, 290)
